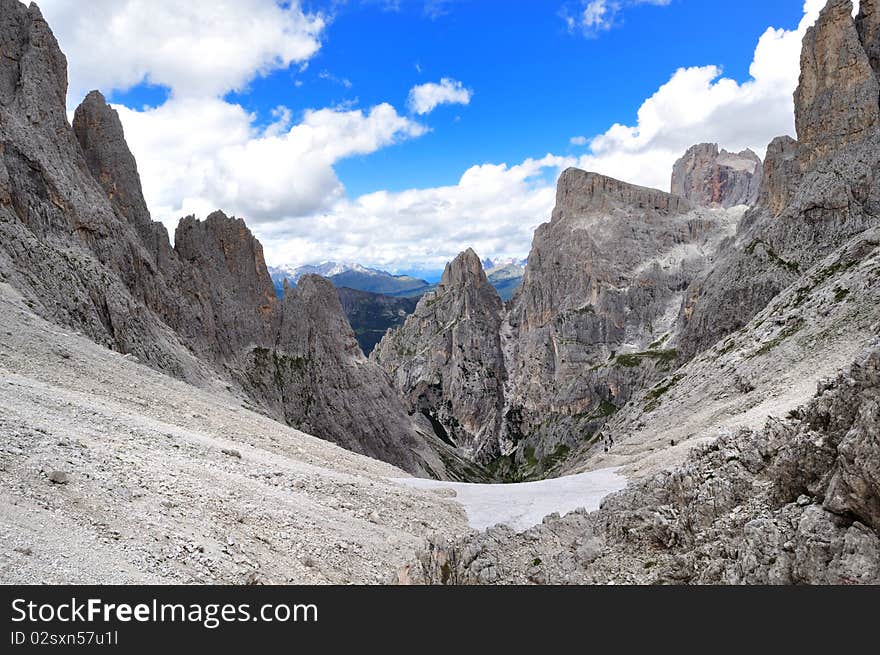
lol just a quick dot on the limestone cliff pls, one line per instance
(837, 102)
(709, 177)
(817, 193)
(447, 358)
(594, 319)
(520, 386)
(796, 502)
(62, 244)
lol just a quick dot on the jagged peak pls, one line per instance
(837, 102)
(313, 287)
(94, 98)
(222, 241)
(465, 269)
(38, 82)
(101, 137)
(781, 174)
(312, 310)
(580, 191)
(217, 219)
(709, 176)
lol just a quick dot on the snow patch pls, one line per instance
(522, 506)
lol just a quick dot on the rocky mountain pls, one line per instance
(725, 494)
(448, 362)
(626, 284)
(353, 276)
(791, 299)
(316, 377)
(371, 315)
(77, 242)
(594, 321)
(709, 177)
(588, 328)
(819, 191)
(795, 502)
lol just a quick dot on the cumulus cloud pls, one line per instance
(425, 98)
(496, 208)
(196, 48)
(579, 140)
(197, 155)
(595, 16)
(493, 208)
(699, 104)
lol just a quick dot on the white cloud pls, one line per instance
(699, 104)
(595, 16)
(425, 98)
(196, 48)
(579, 140)
(330, 77)
(493, 208)
(197, 155)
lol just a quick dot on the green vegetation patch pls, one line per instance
(656, 345)
(664, 358)
(771, 254)
(659, 390)
(803, 293)
(786, 334)
(607, 408)
(555, 458)
(729, 345)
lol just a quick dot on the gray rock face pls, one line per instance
(868, 26)
(819, 191)
(520, 386)
(99, 132)
(232, 274)
(593, 320)
(797, 502)
(625, 283)
(316, 377)
(707, 177)
(447, 358)
(837, 102)
(61, 242)
(781, 175)
(784, 505)
(77, 240)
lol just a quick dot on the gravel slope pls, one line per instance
(167, 483)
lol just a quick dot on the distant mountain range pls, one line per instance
(504, 274)
(371, 315)
(353, 276)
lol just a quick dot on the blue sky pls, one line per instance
(426, 185)
(535, 84)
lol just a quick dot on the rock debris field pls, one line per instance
(112, 473)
